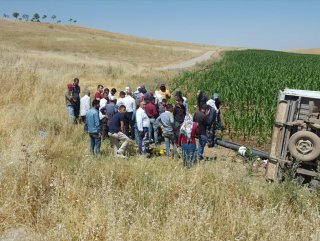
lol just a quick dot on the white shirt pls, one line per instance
(129, 103)
(84, 105)
(120, 101)
(142, 119)
(212, 104)
(111, 97)
(103, 103)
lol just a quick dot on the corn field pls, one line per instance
(249, 82)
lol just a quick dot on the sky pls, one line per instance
(266, 24)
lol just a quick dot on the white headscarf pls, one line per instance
(186, 127)
(212, 104)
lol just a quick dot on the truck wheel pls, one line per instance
(304, 146)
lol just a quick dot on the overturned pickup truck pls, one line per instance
(295, 139)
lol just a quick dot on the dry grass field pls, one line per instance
(305, 51)
(52, 189)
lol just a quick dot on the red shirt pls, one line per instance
(182, 139)
(98, 96)
(151, 110)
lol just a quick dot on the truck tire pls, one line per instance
(304, 146)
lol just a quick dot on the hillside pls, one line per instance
(305, 51)
(73, 42)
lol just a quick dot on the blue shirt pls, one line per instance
(93, 121)
(76, 92)
(116, 122)
(111, 109)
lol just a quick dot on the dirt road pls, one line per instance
(190, 62)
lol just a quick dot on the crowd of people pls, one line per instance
(145, 117)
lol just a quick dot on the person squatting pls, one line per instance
(145, 117)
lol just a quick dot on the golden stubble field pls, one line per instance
(52, 189)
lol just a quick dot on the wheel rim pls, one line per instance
(304, 146)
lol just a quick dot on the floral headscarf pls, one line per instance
(186, 127)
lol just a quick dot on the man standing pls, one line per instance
(112, 94)
(102, 115)
(116, 132)
(108, 111)
(153, 114)
(69, 102)
(162, 106)
(164, 92)
(130, 104)
(85, 105)
(218, 105)
(201, 117)
(211, 139)
(76, 98)
(106, 94)
(179, 113)
(127, 90)
(201, 99)
(122, 95)
(166, 121)
(99, 92)
(94, 127)
(143, 124)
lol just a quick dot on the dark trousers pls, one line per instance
(211, 135)
(129, 125)
(104, 128)
(95, 143)
(77, 109)
(219, 123)
(85, 127)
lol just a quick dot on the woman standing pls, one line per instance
(188, 133)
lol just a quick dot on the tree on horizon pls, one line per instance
(25, 17)
(36, 17)
(15, 15)
(53, 17)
